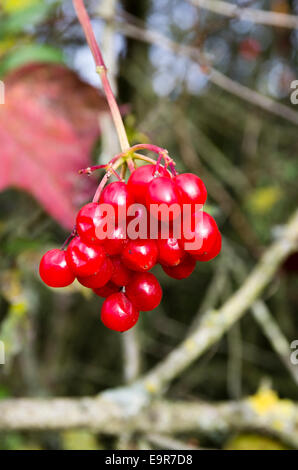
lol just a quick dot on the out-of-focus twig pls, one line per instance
(215, 323)
(271, 18)
(107, 8)
(215, 76)
(265, 320)
(118, 409)
(167, 442)
(234, 366)
(213, 293)
(131, 354)
(275, 336)
(215, 187)
(109, 139)
(162, 417)
(253, 97)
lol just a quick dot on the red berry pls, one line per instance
(183, 270)
(202, 233)
(84, 259)
(117, 195)
(170, 252)
(100, 278)
(192, 189)
(138, 181)
(140, 255)
(53, 269)
(138, 222)
(116, 241)
(144, 291)
(118, 313)
(121, 275)
(163, 192)
(107, 290)
(89, 219)
(213, 252)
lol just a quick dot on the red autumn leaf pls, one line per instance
(48, 125)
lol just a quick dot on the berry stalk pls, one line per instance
(102, 71)
(110, 170)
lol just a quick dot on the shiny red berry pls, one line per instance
(106, 290)
(138, 222)
(53, 269)
(140, 255)
(163, 192)
(138, 181)
(116, 241)
(170, 252)
(100, 278)
(118, 196)
(84, 259)
(183, 270)
(199, 233)
(118, 313)
(213, 251)
(121, 274)
(192, 189)
(144, 291)
(89, 219)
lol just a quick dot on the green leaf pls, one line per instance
(31, 53)
(18, 21)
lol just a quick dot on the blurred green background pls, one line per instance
(55, 343)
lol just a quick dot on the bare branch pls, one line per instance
(281, 20)
(164, 417)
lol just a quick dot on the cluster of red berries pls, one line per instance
(117, 267)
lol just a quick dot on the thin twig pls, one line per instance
(216, 77)
(253, 97)
(215, 187)
(275, 336)
(131, 354)
(270, 18)
(215, 323)
(119, 409)
(265, 320)
(167, 442)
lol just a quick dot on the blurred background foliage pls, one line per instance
(55, 343)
